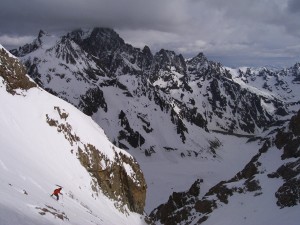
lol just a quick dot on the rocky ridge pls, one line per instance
(195, 95)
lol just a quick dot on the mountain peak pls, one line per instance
(105, 35)
(41, 34)
(28, 48)
(146, 50)
(98, 41)
(166, 56)
(201, 56)
(199, 61)
(166, 52)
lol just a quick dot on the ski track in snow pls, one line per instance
(3, 165)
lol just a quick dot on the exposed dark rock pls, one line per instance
(291, 149)
(282, 138)
(221, 191)
(252, 185)
(181, 128)
(134, 138)
(295, 124)
(92, 100)
(205, 206)
(288, 193)
(51, 210)
(288, 170)
(179, 202)
(290, 140)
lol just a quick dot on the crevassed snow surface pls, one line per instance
(34, 157)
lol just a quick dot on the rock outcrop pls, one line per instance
(119, 178)
(13, 73)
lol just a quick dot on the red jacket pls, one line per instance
(57, 191)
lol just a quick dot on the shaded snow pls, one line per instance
(172, 173)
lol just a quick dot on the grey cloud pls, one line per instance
(259, 30)
(294, 6)
(55, 14)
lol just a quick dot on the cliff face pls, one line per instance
(122, 180)
(119, 177)
(288, 140)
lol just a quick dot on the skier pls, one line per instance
(56, 192)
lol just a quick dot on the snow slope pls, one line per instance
(34, 157)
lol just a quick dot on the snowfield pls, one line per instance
(34, 157)
(172, 173)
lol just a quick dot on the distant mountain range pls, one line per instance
(157, 101)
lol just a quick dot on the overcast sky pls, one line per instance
(233, 32)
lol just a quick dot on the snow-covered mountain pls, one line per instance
(281, 84)
(192, 116)
(128, 90)
(46, 141)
